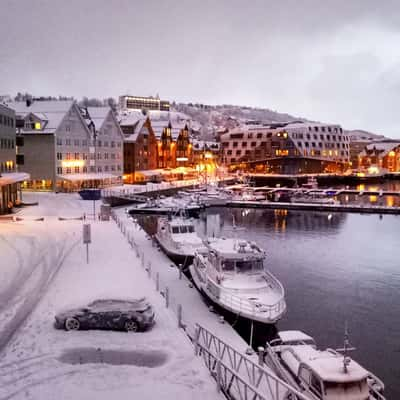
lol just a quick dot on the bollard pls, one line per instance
(142, 260)
(196, 340)
(166, 297)
(260, 351)
(180, 316)
(149, 268)
(180, 266)
(218, 375)
(158, 282)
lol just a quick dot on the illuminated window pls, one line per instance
(38, 126)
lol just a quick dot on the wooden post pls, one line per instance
(149, 268)
(179, 315)
(196, 340)
(180, 266)
(158, 281)
(166, 297)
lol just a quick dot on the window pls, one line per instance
(59, 141)
(59, 156)
(84, 142)
(323, 129)
(84, 169)
(59, 170)
(313, 144)
(316, 128)
(308, 136)
(244, 144)
(259, 135)
(77, 170)
(68, 170)
(68, 142)
(229, 152)
(99, 169)
(76, 142)
(238, 152)
(253, 144)
(235, 144)
(300, 144)
(306, 144)
(68, 156)
(76, 156)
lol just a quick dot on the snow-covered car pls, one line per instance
(110, 314)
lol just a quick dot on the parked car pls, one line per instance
(110, 314)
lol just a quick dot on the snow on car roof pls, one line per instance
(328, 365)
(290, 336)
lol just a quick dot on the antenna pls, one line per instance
(346, 347)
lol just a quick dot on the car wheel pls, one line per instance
(72, 324)
(131, 326)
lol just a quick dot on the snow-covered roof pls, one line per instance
(234, 248)
(327, 364)
(87, 177)
(52, 111)
(290, 336)
(13, 177)
(98, 115)
(381, 147)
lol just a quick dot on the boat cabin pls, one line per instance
(232, 256)
(322, 373)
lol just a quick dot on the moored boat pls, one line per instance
(321, 374)
(178, 238)
(231, 273)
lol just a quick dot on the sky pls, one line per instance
(331, 61)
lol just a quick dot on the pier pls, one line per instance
(239, 372)
(353, 208)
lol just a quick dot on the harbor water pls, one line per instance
(336, 269)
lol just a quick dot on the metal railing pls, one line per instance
(242, 305)
(238, 376)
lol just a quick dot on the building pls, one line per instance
(10, 178)
(287, 148)
(378, 156)
(140, 148)
(174, 148)
(68, 148)
(143, 103)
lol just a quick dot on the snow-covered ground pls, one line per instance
(43, 269)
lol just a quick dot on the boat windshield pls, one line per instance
(243, 266)
(346, 388)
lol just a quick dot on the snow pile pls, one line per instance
(49, 273)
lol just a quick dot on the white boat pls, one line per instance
(178, 238)
(231, 273)
(314, 198)
(311, 183)
(321, 374)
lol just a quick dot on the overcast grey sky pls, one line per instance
(333, 61)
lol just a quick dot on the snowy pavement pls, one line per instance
(43, 270)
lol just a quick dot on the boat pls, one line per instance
(311, 183)
(321, 374)
(231, 273)
(314, 198)
(178, 239)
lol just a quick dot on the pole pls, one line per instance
(94, 209)
(87, 253)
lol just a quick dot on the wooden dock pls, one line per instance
(353, 208)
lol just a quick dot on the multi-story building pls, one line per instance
(173, 144)
(287, 148)
(127, 102)
(67, 148)
(140, 148)
(10, 179)
(383, 155)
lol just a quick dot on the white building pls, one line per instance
(67, 148)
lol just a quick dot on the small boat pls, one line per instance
(321, 374)
(178, 238)
(311, 183)
(314, 198)
(231, 273)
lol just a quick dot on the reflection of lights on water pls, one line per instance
(245, 212)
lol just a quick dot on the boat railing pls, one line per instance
(242, 305)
